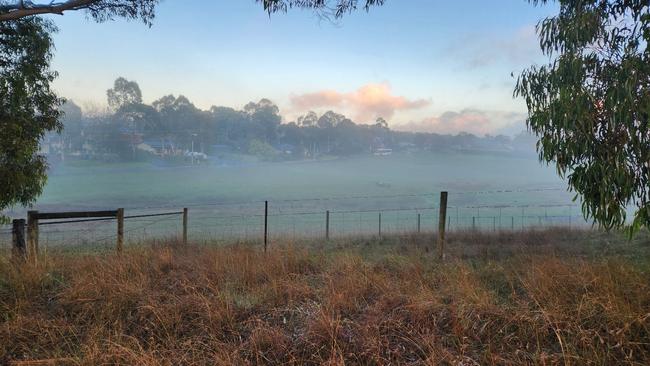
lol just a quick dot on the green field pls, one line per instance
(141, 184)
(226, 200)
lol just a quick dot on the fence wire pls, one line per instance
(307, 218)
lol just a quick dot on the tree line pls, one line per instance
(255, 129)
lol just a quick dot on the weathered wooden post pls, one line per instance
(266, 224)
(442, 217)
(185, 226)
(120, 229)
(18, 236)
(327, 225)
(32, 236)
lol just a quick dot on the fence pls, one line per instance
(323, 217)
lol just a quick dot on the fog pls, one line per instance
(224, 163)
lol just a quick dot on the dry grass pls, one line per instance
(163, 305)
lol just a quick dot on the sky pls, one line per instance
(423, 65)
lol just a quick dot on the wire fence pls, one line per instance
(320, 217)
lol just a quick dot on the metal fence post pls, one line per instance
(327, 225)
(418, 223)
(120, 229)
(185, 226)
(266, 224)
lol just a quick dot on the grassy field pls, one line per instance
(540, 298)
(226, 201)
(139, 184)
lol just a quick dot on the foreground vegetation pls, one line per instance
(544, 297)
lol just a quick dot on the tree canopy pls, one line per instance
(123, 93)
(28, 107)
(590, 105)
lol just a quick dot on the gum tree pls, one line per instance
(589, 106)
(28, 108)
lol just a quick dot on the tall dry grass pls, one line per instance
(165, 305)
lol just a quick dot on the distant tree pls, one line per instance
(309, 119)
(72, 124)
(140, 118)
(28, 108)
(349, 138)
(590, 106)
(181, 119)
(71, 111)
(123, 93)
(266, 116)
(230, 125)
(381, 123)
(330, 119)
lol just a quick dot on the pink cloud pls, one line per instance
(325, 98)
(474, 121)
(366, 103)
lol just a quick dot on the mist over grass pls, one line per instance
(82, 183)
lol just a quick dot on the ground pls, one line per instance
(511, 298)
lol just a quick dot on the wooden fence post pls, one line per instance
(442, 217)
(266, 224)
(120, 229)
(185, 226)
(18, 236)
(32, 236)
(327, 225)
